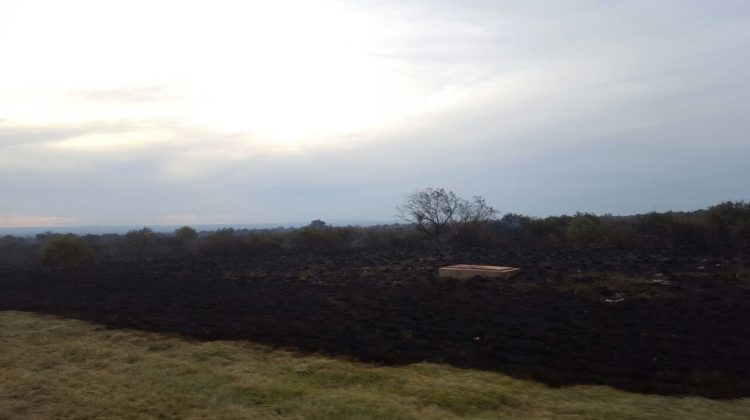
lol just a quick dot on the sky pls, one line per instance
(197, 112)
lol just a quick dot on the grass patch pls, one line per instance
(59, 368)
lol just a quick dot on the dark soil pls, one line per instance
(669, 323)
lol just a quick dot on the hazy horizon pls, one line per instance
(122, 229)
(83, 229)
(228, 113)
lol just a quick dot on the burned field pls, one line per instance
(638, 320)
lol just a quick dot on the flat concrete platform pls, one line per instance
(468, 271)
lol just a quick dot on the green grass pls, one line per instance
(60, 368)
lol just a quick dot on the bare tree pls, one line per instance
(442, 214)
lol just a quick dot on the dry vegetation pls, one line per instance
(57, 368)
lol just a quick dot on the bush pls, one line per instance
(138, 243)
(320, 238)
(476, 234)
(618, 231)
(68, 252)
(655, 228)
(17, 251)
(185, 234)
(265, 242)
(550, 230)
(223, 243)
(583, 229)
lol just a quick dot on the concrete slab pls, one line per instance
(468, 271)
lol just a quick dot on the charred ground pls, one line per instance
(657, 321)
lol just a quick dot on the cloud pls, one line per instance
(76, 147)
(181, 219)
(15, 221)
(23, 134)
(128, 94)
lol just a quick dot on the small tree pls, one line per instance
(441, 214)
(68, 252)
(185, 234)
(317, 224)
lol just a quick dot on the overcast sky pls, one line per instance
(180, 112)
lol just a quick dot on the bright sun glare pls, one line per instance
(281, 72)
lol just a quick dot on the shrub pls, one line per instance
(321, 238)
(222, 243)
(68, 252)
(655, 227)
(185, 234)
(550, 230)
(16, 250)
(618, 231)
(476, 234)
(583, 229)
(266, 242)
(138, 243)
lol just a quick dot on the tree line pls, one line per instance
(434, 222)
